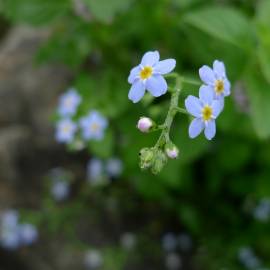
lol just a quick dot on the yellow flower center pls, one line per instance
(207, 113)
(68, 102)
(146, 72)
(219, 86)
(66, 129)
(94, 127)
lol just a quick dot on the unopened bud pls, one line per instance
(146, 158)
(159, 162)
(145, 124)
(171, 151)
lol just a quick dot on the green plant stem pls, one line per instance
(192, 82)
(181, 110)
(165, 134)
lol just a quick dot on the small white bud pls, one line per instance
(144, 124)
(172, 152)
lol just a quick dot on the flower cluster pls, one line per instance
(149, 75)
(171, 242)
(248, 259)
(14, 234)
(99, 171)
(89, 127)
(210, 103)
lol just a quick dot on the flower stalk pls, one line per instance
(155, 158)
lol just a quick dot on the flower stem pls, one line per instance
(165, 134)
(181, 110)
(190, 81)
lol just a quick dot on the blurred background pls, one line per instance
(87, 205)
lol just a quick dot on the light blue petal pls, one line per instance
(193, 106)
(206, 94)
(134, 73)
(136, 91)
(150, 58)
(195, 127)
(219, 69)
(217, 106)
(165, 66)
(227, 87)
(156, 85)
(210, 130)
(207, 75)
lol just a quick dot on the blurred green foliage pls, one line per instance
(212, 187)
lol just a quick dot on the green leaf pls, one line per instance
(34, 11)
(263, 32)
(262, 12)
(223, 23)
(105, 10)
(259, 96)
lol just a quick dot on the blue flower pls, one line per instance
(93, 126)
(114, 167)
(95, 171)
(65, 130)
(69, 102)
(60, 190)
(9, 230)
(148, 76)
(28, 234)
(205, 110)
(216, 79)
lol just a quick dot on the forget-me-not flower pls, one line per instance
(248, 258)
(148, 75)
(95, 171)
(262, 210)
(28, 233)
(9, 230)
(60, 190)
(93, 259)
(205, 109)
(114, 167)
(69, 102)
(93, 126)
(65, 130)
(216, 79)
(169, 242)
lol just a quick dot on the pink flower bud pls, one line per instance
(144, 124)
(172, 152)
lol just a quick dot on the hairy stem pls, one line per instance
(165, 134)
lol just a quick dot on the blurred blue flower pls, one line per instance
(69, 102)
(216, 79)
(128, 240)
(95, 171)
(93, 259)
(93, 126)
(9, 230)
(169, 242)
(247, 257)
(262, 210)
(114, 167)
(173, 261)
(28, 234)
(65, 130)
(205, 109)
(60, 190)
(148, 76)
